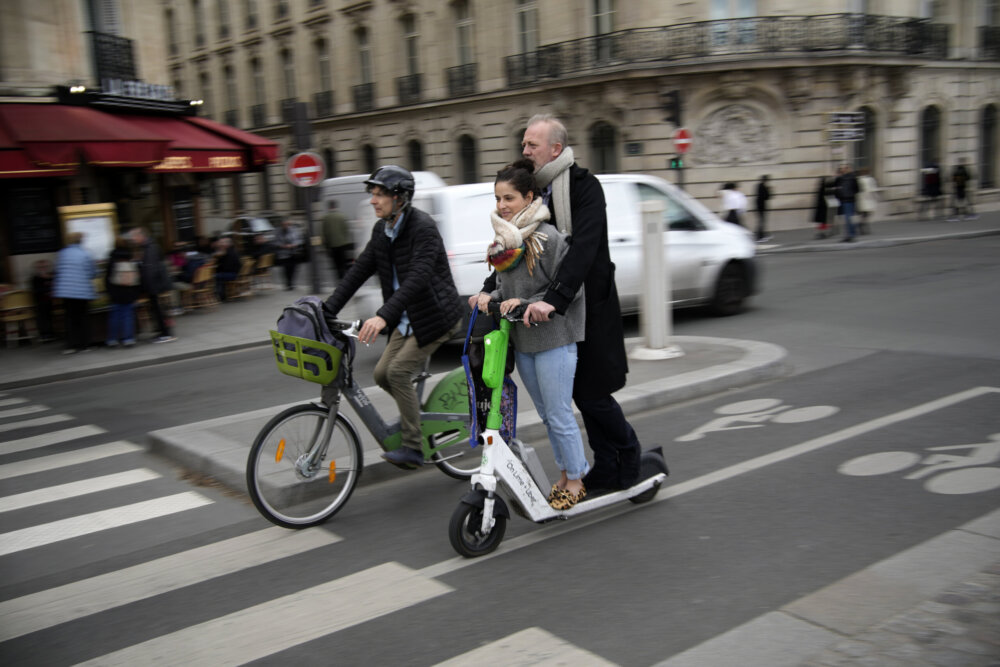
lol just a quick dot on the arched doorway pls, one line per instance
(467, 159)
(603, 148)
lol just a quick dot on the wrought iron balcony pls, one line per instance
(462, 80)
(288, 110)
(113, 56)
(408, 88)
(364, 97)
(764, 36)
(258, 115)
(230, 118)
(323, 103)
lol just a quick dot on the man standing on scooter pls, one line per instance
(576, 200)
(421, 308)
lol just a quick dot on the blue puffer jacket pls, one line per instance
(75, 271)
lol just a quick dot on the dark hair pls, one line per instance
(520, 174)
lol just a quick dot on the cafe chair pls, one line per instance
(17, 311)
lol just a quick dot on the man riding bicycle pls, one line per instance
(420, 310)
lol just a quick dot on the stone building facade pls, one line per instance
(448, 86)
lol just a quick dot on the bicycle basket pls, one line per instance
(307, 359)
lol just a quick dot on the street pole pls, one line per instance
(655, 313)
(303, 142)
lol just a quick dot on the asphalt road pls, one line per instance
(776, 491)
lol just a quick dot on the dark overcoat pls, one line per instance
(426, 290)
(601, 362)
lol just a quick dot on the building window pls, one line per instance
(368, 158)
(231, 100)
(170, 20)
(526, 15)
(408, 24)
(930, 136)
(991, 13)
(199, 22)
(222, 8)
(107, 18)
(415, 153)
(467, 159)
(250, 9)
(329, 159)
(323, 76)
(205, 83)
(864, 150)
(603, 148)
(265, 189)
(280, 10)
(988, 147)
(464, 32)
(364, 56)
(604, 16)
(288, 72)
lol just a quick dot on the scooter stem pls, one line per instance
(494, 365)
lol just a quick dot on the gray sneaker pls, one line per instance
(165, 339)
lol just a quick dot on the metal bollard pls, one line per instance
(655, 314)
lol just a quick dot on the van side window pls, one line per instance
(674, 214)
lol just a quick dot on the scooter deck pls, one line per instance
(603, 500)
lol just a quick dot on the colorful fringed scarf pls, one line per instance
(517, 239)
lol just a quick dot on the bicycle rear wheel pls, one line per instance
(284, 486)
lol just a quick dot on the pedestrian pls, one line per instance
(821, 210)
(763, 195)
(153, 280)
(337, 239)
(227, 265)
(73, 283)
(41, 290)
(845, 185)
(961, 199)
(867, 199)
(420, 309)
(930, 190)
(577, 205)
(734, 203)
(121, 278)
(290, 246)
(525, 252)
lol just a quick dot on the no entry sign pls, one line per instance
(305, 169)
(682, 140)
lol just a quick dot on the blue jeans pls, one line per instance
(548, 377)
(847, 208)
(121, 323)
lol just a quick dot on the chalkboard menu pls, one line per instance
(183, 206)
(32, 221)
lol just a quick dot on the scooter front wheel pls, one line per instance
(465, 531)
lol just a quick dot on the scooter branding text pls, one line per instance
(525, 487)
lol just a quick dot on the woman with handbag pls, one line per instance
(290, 249)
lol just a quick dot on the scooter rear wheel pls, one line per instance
(650, 464)
(466, 535)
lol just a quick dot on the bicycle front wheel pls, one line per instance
(297, 481)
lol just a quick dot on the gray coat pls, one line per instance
(518, 283)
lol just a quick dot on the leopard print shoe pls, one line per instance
(552, 494)
(567, 500)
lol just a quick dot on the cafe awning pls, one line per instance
(53, 139)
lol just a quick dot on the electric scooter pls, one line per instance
(513, 471)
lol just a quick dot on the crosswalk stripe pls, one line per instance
(26, 410)
(74, 489)
(276, 625)
(52, 438)
(532, 646)
(64, 529)
(53, 461)
(4, 402)
(38, 421)
(48, 608)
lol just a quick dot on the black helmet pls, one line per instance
(393, 179)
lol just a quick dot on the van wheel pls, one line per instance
(730, 291)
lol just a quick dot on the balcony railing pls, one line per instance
(323, 103)
(462, 80)
(408, 88)
(288, 110)
(258, 115)
(230, 118)
(364, 97)
(857, 33)
(113, 56)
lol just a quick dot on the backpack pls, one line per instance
(305, 319)
(125, 273)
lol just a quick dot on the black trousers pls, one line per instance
(77, 323)
(341, 258)
(614, 443)
(156, 310)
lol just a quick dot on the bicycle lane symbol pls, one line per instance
(756, 413)
(944, 472)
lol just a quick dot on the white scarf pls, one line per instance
(557, 173)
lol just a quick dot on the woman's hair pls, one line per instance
(521, 175)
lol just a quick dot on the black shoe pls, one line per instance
(599, 482)
(847, 239)
(629, 466)
(405, 458)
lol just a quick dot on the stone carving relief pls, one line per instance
(735, 134)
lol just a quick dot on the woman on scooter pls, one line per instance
(525, 253)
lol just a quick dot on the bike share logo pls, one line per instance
(756, 413)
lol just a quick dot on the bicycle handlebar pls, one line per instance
(346, 327)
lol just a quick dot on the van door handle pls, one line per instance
(620, 240)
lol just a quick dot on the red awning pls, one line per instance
(14, 162)
(61, 136)
(192, 148)
(262, 151)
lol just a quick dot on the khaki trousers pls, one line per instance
(394, 373)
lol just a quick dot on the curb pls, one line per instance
(837, 246)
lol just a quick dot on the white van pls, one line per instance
(711, 261)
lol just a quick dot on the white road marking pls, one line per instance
(264, 629)
(64, 529)
(74, 489)
(5, 402)
(46, 439)
(38, 421)
(26, 410)
(528, 648)
(45, 609)
(45, 463)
